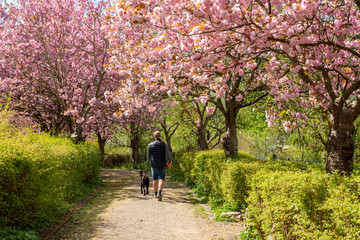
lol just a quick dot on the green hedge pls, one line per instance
(305, 205)
(283, 200)
(235, 182)
(42, 176)
(220, 179)
(213, 176)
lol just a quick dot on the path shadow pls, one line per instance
(128, 185)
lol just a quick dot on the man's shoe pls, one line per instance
(159, 198)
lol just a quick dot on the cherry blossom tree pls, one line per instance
(138, 111)
(200, 114)
(165, 38)
(313, 51)
(3, 14)
(53, 56)
(170, 118)
(306, 51)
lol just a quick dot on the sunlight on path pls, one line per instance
(147, 219)
(134, 216)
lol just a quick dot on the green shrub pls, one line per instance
(282, 165)
(206, 172)
(42, 176)
(304, 205)
(235, 182)
(182, 167)
(200, 170)
(203, 170)
(284, 200)
(343, 207)
(237, 176)
(8, 233)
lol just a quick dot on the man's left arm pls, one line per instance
(148, 154)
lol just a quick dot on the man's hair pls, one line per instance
(157, 134)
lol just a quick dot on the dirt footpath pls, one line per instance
(130, 215)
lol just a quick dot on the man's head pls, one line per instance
(157, 134)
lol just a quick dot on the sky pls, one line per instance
(14, 1)
(7, 1)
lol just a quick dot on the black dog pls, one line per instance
(144, 182)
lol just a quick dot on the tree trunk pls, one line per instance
(135, 146)
(230, 140)
(201, 139)
(168, 141)
(77, 135)
(101, 143)
(340, 144)
(169, 132)
(167, 135)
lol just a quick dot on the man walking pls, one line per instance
(157, 154)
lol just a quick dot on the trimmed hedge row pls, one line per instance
(220, 179)
(305, 205)
(283, 200)
(42, 176)
(200, 170)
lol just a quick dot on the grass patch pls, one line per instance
(82, 224)
(200, 211)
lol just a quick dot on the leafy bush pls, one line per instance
(200, 170)
(235, 182)
(8, 233)
(343, 208)
(204, 171)
(182, 165)
(219, 179)
(283, 199)
(304, 205)
(41, 176)
(113, 160)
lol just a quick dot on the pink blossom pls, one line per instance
(287, 126)
(92, 101)
(204, 99)
(80, 120)
(174, 104)
(239, 98)
(210, 110)
(151, 108)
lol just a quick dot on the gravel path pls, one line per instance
(134, 216)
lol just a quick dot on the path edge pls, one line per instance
(47, 233)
